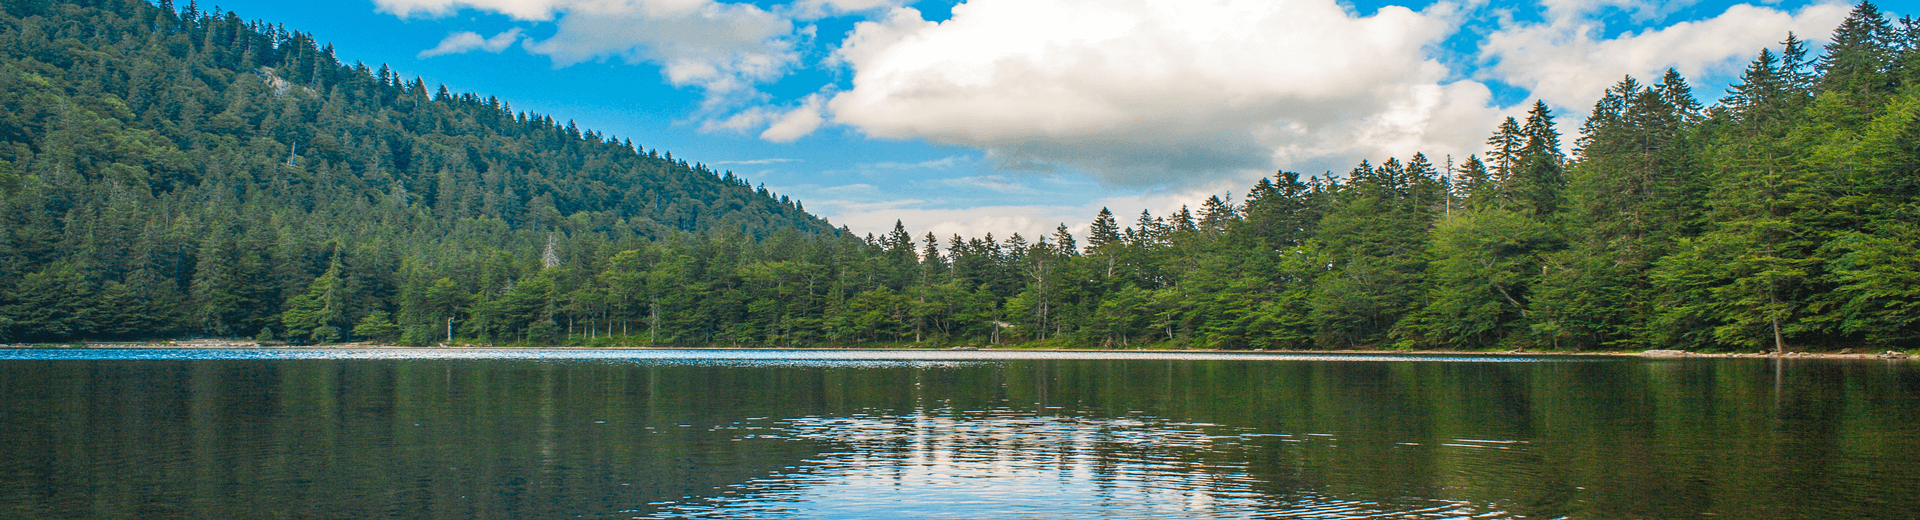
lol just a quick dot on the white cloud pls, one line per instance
(740, 121)
(723, 48)
(1565, 63)
(1638, 10)
(1162, 92)
(469, 41)
(1168, 93)
(796, 123)
(995, 183)
(817, 9)
(865, 208)
(1030, 221)
(519, 9)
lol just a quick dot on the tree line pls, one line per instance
(178, 172)
(1782, 216)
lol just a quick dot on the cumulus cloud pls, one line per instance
(796, 123)
(723, 48)
(469, 41)
(1138, 93)
(1161, 92)
(1568, 64)
(776, 124)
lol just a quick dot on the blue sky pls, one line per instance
(1016, 115)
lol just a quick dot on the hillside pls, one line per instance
(188, 174)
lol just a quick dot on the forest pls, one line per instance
(169, 172)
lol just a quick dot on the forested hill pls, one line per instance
(170, 176)
(173, 173)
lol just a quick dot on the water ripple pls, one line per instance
(1006, 463)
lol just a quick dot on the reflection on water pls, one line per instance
(734, 357)
(812, 434)
(1009, 463)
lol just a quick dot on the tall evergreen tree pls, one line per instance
(1105, 231)
(1504, 154)
(1537, 177)
(1859, 59)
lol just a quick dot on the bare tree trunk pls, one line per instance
(1779, 343)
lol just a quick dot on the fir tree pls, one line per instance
(1858, 59)
(1105, 231)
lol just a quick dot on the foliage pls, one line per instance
(173, 173)
(189, 173)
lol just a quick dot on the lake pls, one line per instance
(396, 433)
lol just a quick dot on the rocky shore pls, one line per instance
(1842, 354)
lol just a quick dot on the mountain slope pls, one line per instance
(190, 173)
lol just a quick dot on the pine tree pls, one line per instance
(1475, 187)
(316, 315)
(1215, 214)
(1761, 96)
(1063, 242)
(1280, 214)
(1505, 155)
(930, 251)
(1633, 194)
(1183, 220)
(1537, 178)
(1149, 231)
(1796, 69)
(1860, 56)
(1907, 69)
(1373, 238)
(1105, 231)
(1677, 95)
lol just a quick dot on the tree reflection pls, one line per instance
(1062, 438)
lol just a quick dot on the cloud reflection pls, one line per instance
(1005, 463)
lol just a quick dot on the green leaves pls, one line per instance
(312, 315)
(1877, 280)
(210, 178)
(1861, 56)
(51, 304)
(9, 179)
(1484, 266)
(376, 326)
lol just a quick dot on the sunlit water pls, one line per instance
(1021, 465)
(396, 433)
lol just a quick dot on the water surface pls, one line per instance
(392, 433)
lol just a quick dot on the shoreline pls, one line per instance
(1653, 354)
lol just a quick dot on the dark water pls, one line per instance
(654, 434)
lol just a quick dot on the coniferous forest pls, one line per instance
(169, 172)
